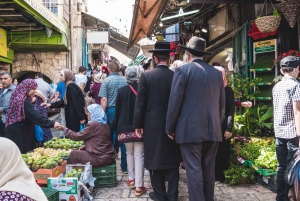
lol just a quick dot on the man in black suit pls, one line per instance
(195, 111)
(162, 155)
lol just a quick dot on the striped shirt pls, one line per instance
(285, 93)
(110, 86)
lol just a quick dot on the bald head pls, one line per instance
(113, 66)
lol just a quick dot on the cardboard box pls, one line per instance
(41, 175)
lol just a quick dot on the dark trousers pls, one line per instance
(2, 128)
(199, 162)
(285, 150)
(158, 184)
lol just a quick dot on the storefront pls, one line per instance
(6, 54)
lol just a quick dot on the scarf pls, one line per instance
(69, 78)
(97, 113)
(99, 77)
(220, 68)
(15, 176)
(15, 112)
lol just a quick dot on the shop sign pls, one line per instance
(39, 9)
(264, 46)
(3, 43)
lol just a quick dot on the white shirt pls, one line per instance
(44, 87)
(80, 78)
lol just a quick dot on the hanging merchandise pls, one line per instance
(255, 34)
(291, 11)
(268, 23)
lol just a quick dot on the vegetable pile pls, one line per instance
(63, 143)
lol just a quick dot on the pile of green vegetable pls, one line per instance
(237, 174)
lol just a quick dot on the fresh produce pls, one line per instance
(237, 174)
(45, 158)
(249, 151)
(74, 173)
(63, 143)
(267, 158)
(241, 139)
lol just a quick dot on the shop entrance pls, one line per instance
(29, 74)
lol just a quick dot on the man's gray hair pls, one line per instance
(6, 73)
(132, 74)
(194, 56)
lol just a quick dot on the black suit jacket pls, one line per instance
(197, 103)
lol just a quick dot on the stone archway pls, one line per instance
(29, 74)
(48, 63)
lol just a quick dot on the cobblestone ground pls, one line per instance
(223, 192)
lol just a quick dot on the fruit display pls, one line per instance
(63, 143)
(45, 158)
(74, 173)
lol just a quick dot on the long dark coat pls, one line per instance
(197, 103)
(74, 110)
(23, 133)
(150, 114)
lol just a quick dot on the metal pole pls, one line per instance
(71, 31)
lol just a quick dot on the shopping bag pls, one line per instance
(39, 133)
(292, 168)
(82, 126)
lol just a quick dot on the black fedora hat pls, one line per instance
(162, 47)
(196, 46)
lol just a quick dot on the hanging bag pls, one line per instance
(268, 23)
(39, 133)
(292, 168)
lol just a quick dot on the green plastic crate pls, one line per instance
(105, 176)
(51, 194)
(264, 172)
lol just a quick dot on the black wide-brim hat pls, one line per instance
(162, 47)
(195, 46)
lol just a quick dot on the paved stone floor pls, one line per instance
(223, 192)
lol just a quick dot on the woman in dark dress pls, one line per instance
(73, 102)
(223, 154)
(95, 88)
(21, 117)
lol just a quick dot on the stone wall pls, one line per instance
(48, 63)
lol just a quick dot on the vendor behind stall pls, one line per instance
(97, 148)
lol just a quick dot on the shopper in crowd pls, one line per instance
(73, 102)
(147, 66)
(81, 78)
(108, 94)
(104, 70)
(95, 88)
(286, 101)
(162, 155)
(59, 94)
(37, 101)
(223, 154)
(21, 117)
(176, 64)
(196, 109)
(122, 71)
(15, 82)
(44, 87)
(97, 148)
(8, 88)
(16, 180)
(125, 103)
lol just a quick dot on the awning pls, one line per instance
(145, 15)
(120, 42)
(116, 40)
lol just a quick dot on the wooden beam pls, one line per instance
(28, 29)
(11, 15)
(7, 9)
(17, 24)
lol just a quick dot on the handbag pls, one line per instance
(292, 168)
(39, 133)
(81, 127)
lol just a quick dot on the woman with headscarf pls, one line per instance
(21, 117)
(16, 180)
(73, 102)
(37, 100)
(95, 88)
(223, 154)
(125, 103)
(97, 148)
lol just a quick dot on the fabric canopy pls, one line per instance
(145, 15)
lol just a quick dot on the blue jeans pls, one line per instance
(110, 112)
(285, 150)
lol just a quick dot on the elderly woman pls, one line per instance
(73, 102)
(21, 117)
(125, 103)
(97, 148)
(95, 88)
(16, 180)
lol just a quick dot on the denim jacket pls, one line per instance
(4, 101)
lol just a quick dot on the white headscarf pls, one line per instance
(15, 176)
(97, 113)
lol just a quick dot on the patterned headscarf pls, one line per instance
(69, 78)
(97, 113)
(16, 111)
(220, 68)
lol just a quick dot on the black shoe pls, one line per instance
(125, 172)
(151, 195)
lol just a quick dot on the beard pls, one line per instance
(184, 61)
